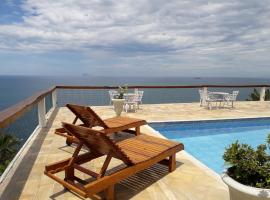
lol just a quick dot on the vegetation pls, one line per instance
(255, 95)
(247, 165)
(8, 149)
(121, 91)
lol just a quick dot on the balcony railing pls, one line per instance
(28, 117)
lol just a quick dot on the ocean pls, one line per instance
(14, 89)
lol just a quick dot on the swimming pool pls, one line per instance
(206, 140)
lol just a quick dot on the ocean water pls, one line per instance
(17, 88)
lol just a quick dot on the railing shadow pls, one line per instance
(15, 186)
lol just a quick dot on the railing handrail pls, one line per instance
(12, 113)
(159, 86)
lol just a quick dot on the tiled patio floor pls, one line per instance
(188, 182)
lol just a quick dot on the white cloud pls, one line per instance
(206, 32)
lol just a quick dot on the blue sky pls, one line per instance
(135, 38)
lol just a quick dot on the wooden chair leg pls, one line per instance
(172, 163)
(105, 166)
(110, 193)
(138, 130)
(69, 174)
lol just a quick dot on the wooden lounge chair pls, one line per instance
(90, 119)
(137, 153)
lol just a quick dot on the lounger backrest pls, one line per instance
(97, 141)
(87, 116)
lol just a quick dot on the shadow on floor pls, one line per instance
(133, 185)
(15, 187)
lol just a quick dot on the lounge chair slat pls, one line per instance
(87, 116)
(138, 153)
(97, 141)
(156, 140)
(152, 146)
(144, 145)
(145, 150)
(135, 157)
(90, 119)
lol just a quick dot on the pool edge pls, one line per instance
(194, 160)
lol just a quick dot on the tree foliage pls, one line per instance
(247, 165)
(255, 95)
(8, 149)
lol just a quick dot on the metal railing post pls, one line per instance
(204, 96)
(262, 94)
(42, 113)
(54, 98)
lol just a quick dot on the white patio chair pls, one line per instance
(231, 97)
(210, 98)
(130, 102)
(112, 93)
(139, 95)
(201, 97)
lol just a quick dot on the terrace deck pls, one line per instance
(189, 181)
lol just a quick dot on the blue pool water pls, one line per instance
(206, 140)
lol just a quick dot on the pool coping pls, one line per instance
(207, 119)
(194, 160)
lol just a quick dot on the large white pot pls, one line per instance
(239, 191)
(118, 106)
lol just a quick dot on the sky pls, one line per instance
(135, 38)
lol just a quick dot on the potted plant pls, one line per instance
(248, 175)
(255, 95)
(118, 100)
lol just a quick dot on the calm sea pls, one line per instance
(17, 88)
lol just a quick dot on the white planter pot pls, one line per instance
(239, 191)
(118, 106)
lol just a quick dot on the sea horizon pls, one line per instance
(15, 88)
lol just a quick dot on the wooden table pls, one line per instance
(117, 124)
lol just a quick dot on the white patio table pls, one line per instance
(217, 97)
(221, 94)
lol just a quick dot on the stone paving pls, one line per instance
(189, 181)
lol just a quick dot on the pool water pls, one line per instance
(206, 140)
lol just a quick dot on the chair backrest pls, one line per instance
(234, 94)
(212, 96)
(201, 93)
(97, 142)
(112, 93)
(130, 98)
(140, 95)
(87, 116)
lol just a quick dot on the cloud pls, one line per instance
(172, 31)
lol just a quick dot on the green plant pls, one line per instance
(8, 144)
(255, 95)
(121, 91)
(247, 165)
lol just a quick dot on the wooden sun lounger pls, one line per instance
(137, 153)
(90, 119)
